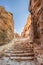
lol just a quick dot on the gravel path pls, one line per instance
(7, 61)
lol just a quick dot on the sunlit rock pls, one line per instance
(28, 29)
(6, 26)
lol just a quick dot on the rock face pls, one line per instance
(28, 29)
(6, 26)
(36, 9)
(16, 35)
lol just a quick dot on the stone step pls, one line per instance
(20, 51)
(19, 54)
(18, 48)
(23, 54)
(22, 58)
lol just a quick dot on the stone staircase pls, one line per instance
(20, 54)
(21, 51)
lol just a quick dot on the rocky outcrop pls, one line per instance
(16, 35)
(28, 29)
(36, 9)
(6, 26)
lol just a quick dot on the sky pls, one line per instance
(19, 8)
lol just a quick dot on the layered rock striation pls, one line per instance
(36, 9)
(6, 26)
(28, 29)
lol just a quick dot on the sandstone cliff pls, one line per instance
(6, 26)
(28, 29)
(36, 10)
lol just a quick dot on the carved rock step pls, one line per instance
(20, 55)
(25, 51)
(20, 52)
(22, 58)
(23, 54)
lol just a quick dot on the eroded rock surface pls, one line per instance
(6, 26)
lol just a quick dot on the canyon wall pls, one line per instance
(36, 10)
(6, 26)
(28, 30)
